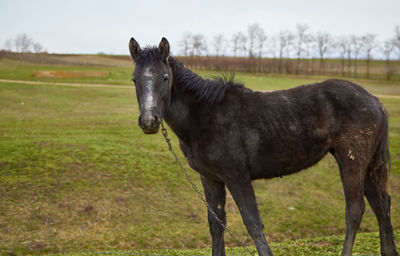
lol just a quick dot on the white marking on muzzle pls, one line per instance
(148, 103)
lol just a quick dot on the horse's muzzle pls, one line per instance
(150, 123)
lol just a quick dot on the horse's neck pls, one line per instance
(182, 99)
(177, 111)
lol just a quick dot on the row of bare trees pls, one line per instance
(23, 43)
(299, 45)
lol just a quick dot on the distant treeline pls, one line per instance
(299, 52)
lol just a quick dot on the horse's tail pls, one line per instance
(380, 165)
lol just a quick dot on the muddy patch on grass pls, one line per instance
(36, 245)
(70, 74)
(50, 144)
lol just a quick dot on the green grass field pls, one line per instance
(78, 175)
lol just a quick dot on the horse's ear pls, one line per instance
(134, 48)
(163, 47)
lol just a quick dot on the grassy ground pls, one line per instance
(366, 244)
(77, 174)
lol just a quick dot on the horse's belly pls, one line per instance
(286, 161)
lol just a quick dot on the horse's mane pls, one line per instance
(147, 56)
(208, 91)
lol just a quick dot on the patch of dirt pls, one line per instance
(75, 146)
(88, 208)
(3, 164)
(120, 200)
(322, 244)
(49, 144)
(10, 165)
(44, 144)
(193, 216)
(62, 205)
(36, 245)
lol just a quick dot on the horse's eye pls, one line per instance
(165, 77)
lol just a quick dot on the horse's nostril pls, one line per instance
(155, 121)
(140, 122)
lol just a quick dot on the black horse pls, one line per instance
(232, 135)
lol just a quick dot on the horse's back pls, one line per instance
(341, 100)
(339, 107)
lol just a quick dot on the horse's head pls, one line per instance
(152, 78)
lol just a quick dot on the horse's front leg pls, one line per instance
(243, 194)
(215, 196)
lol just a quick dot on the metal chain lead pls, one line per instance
(199, 194)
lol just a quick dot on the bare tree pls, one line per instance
(219, 44)
(199, 45)
(344, 47)
(239, 41)
(349, 52)
(243, 44)
(301, 38)
(261, 38)
(369, 42)
(309, 50)
(37, 47)
(396, 40)
(185, 43)
(252, 31)
(272, 47)
(235, 43)
(271, 52)
(387, 50)
(8, 45)
(324, 42)
(23, 43)
(284, 39)
(357, 46)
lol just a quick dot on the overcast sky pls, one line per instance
(94, 26)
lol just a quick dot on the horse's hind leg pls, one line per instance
(215, 196)
(379, 200)
(352, 173)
